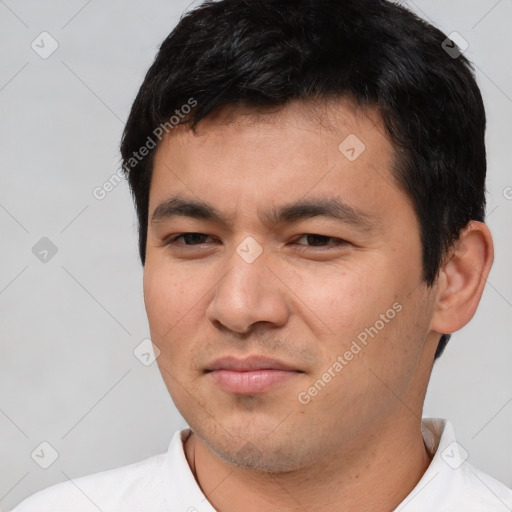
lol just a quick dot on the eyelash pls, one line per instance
(173, 241)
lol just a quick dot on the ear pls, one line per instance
(462, 278)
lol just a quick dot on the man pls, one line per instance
(309, 179)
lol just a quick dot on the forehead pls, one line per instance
(240, 158)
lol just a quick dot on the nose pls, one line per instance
(247, 294)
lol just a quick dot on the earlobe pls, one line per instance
(462, 278)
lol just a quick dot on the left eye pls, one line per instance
(319, 241)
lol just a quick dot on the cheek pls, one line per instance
(167, 297)
(367, 314)
(175, 298)
(171, 287)
(344, 299)
(158, 299)
(170, 300)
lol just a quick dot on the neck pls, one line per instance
(376, 472)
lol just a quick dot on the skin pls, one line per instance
(357, 444)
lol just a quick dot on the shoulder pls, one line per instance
(451, 483)
(135, 485)
(480, 491)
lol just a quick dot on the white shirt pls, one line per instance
(166, 483)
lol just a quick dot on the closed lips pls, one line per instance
(249, 364)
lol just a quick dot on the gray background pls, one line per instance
(68, 375)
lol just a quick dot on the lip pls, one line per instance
(250, 376)
(249, 364)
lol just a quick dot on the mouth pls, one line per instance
(253, 375)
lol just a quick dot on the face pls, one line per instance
(309, 254)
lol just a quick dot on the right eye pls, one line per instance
(194, 238)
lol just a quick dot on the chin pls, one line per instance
(254, 448)
(259, 458)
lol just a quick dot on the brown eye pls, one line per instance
(188, 238)
(320, 241)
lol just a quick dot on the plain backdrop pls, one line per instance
(71, 309)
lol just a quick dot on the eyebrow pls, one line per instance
(334, 208)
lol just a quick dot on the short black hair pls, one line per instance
(265, 53)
